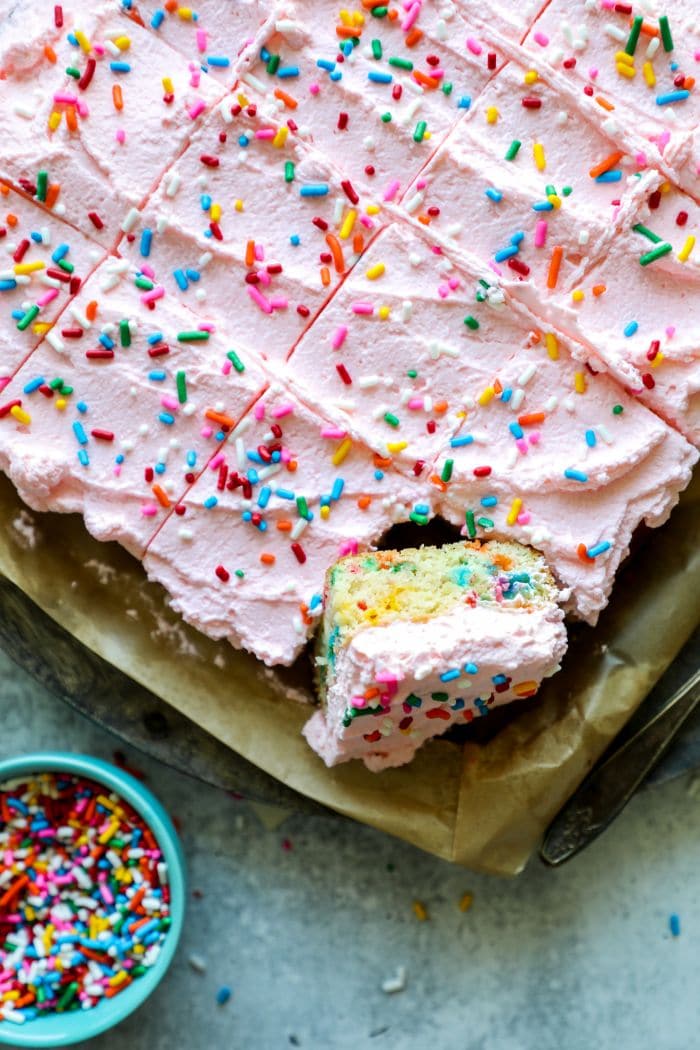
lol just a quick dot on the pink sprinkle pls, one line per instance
(66, 99)
(358, 701)
(495, 267)
(453, 283)
(593, 72)
(120, 136)
(279, 302)
(4, 380)
(106, 894)
(333, 433)
(226, 368)
(391, 190)
(411, 17)
(314, 88)
(339, 336)
(259, 298)
(259, 252)
(155, 293)
(206, 431)
(201, 40)
(416, 403)
(521, 444)
(367, 222)
(541, 38)
(82, 107)
(282, 410)
(147, 270)
(362, 308)
(265, 133)
(149, 510)
(524, 518)
(47, 297)
(640, 159)
(474, 45)
(259, 410)
(671, 331)
(421, 184)
(348, 547)
(169, 402)
(534, 437)
(443, 291)
(195, 78)
(541, 233)
(264, 278)
(198, 107)
(216, 461)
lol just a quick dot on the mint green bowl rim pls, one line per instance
(64, 1029)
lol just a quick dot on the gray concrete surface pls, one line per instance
(305, 920)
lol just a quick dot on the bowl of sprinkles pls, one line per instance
(92, 897)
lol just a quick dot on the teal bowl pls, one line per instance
(65, 1029)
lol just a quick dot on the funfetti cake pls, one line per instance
(275, 277)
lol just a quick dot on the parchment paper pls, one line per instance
(483, 806)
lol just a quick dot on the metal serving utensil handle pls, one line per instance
(609, 787)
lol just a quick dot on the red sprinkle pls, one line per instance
(344, 374)
(223, 574)
(531, 102)
(102, 435)
(95, 220)
(342, 121)
(88, 74)
(209, 160)
(58, 16)
(481, 472)
(349, 191)
(648, 380)
(299, 553)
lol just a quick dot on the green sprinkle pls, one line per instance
(550, 191)
(412, 373)
(56, 383)
(125, 333)
(447, 470)
(440, 698)
(68, 995)
(73, 72)
(386, 118)
(401, 63)
(181, 381)
(618, 410)
(143, 283)
(239, 573)
(484, 523)
(66, 391)
(483, 283)
(666, 37)
(480, 297)
(655, 253)
(419, 133)
(447, 88)
(66, 266)
(377, 49)
(646, 232)
(631, 45)
(512, 151)
(566, 191)
(235, 361)
(273, 63)
(26, 320)
(196, 336)
(419, 519)
(471, 322)
(391, 419)
(42, 185)
(288, 171)
(471, 527)
(302, 507)
(379, 12)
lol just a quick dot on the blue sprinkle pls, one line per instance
(464, 102)
(157, 20)
(335, 76)
(264, 497)
(36, 237)
(499, 679)
(599, 548)
(295, 240)
(82, 407)
(83, 457)
(543, 206)
(457, 705)
(205, 201)
(460, 442)
(220, 61)
(252, 476)
(159, 468)
(285, 72)
(516, 430)
(318, 189)
(323, 63)
(120, 67)
(630, 328)
(223, 995)
(518, 237)
(337, 490)
(192, 275)
(507, 395)
(575, 475)
(449, 676)
(284, 494)
(325, 501)
(254, 457)
(264, 54)
(181, 280)
(79, 432)
(167, 418)
(7, 284)
(262, 526)
(72, 39)
(157, 376)
(493, 194)
(471, 669)
(210, 501)
(672, 96)
(506, 253)
(119, 458)
(60, 253)
(378, 475)
(674, 925)
(243, 140)
(191, 458)
(276, 457)
(34, 384)
(489, 501)
(315, 601)
(613, 175)
(422, 508)
(590, 438)
(247, 515)
(155, 338)
(146, 238)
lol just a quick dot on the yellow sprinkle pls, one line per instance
(215, 212)
(168, 86)
(185, 13)
(550, 341)
(657, 360)
(82, 40)
(621, 57)
(531, 76)
(29, 267)
(30, 915)
(420, 911)
(684, 253)
(396, 446)
(10, 997)
(665, 187)
(626, 71)
(347, 224)
(118, 978)
(61, 403)
(341, 452)
(515, 509)
(426, 136)
(281, 136)
(649, 75)
(580, 382)
(578, 295)
(242, 99)
(54, 119)
(375, 271)
(108, 833)
(538, 154)
(20, 415)
(486, 396)
(466, 901)
(346, 18)
(41, 327)
(373, 209)
(238, 204)
(524, 687)
(325, 511)
(48, 935)
(554, 200)
(139, 949)
(492, 115)
(123, 43)
(384, 313)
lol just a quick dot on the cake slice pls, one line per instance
(415, 641)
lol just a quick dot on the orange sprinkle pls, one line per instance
(161, 495)
(364, 502)
(171, 6)
(647, 29)
(267, 559)
(689, 83)
(535, 337)
(348, 32)
(599, 289)
(117, 988)
(531, 419)
(49, 53)
(371, 692)
(219, 417)
(424, 80)
(606, 165)
(12, 219)
(71, 119)
(54, 188)
(555, 263)
(413, 36)
(497, 386)
(284, 525)
(336, 251)
(392, 13)
(292, 466)
(440, 407)
(358, 243)
(325, 276)
(91, 310)
(582, 551)
(117, 97)
(439, 483)
(290, 103)
(603, 102)
(250, 253)
(425, 219)
(382, 462)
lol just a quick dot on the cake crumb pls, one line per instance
(395, 984)
(25, 532)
